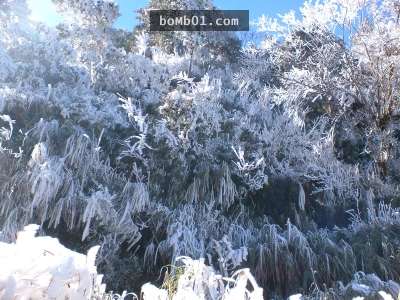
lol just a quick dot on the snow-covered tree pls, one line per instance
(187, 144)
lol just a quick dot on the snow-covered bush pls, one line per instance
(40, 267)
(161, 145)
(199, 281)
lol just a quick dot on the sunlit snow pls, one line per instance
(44, 11)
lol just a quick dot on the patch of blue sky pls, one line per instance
(44, 10)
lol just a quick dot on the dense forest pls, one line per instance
(201, 165)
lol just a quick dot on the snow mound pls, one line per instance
(42, 268)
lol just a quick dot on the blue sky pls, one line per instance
(43, 10)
